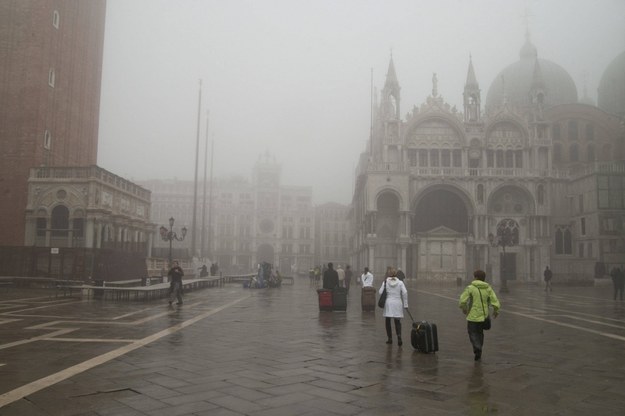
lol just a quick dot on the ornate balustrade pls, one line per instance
(373, 167)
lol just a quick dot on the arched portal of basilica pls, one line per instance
(439, 232)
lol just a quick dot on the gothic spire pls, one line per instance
(472, 96)
(391, 77)
(471, 79)
(391, 93)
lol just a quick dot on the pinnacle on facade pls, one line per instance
(391, 77)
(471, 79)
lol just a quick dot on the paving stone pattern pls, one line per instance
(272, 352)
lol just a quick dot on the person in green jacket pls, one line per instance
(475, 302)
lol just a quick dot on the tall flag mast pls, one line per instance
(197, 151)
(203, 234)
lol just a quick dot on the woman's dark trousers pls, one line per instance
(389, 332)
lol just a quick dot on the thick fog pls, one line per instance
(293, 78)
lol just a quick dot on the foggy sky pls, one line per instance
(293, 77)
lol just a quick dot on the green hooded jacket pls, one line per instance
(470, 298)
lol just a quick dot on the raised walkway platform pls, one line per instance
(144, 293)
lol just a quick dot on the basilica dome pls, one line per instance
(612, 87)
(516, 81)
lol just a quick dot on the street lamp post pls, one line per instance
(170, 235)
(503, 240)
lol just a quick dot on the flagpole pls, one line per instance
(203, 234)
(210, 201)
(371, 117)
(197, 151)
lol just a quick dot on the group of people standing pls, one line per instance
(396, 294)
(476, 301)
(332, 277)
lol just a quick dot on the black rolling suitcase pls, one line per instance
(339, 299)
(424, 336)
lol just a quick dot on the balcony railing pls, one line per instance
(89, 172)
(610, 168)
(374, 167)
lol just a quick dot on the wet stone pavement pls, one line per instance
(234, 351)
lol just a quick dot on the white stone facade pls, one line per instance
(442, 193)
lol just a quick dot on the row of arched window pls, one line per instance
(60, 225)
(540, 194)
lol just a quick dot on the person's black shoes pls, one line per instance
(389, 341)
(399, 341)
(179, 303)
(478, 355)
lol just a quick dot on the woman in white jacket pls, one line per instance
(396, 301)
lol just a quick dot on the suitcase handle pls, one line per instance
(408, 310)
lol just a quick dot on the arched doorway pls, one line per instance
(510, 209)
(507, 237)
(60, 226)
(441, 224)
(387, 223)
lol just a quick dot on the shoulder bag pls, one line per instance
(487, 322)
(382, 299)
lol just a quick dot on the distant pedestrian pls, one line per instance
(367, 278)
(475, 302)
(175, 284)
(400, 275)
(341, 273)
(330, 277)
(317, 275)
(547, 275)
(203, 271)
(618, 280)
(348, 277)
(396, 301)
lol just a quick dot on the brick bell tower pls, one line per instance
(50, 76)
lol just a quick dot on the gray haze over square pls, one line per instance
(293, 78)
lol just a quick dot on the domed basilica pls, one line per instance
(533, 177)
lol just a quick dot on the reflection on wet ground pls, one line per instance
(271, 351)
